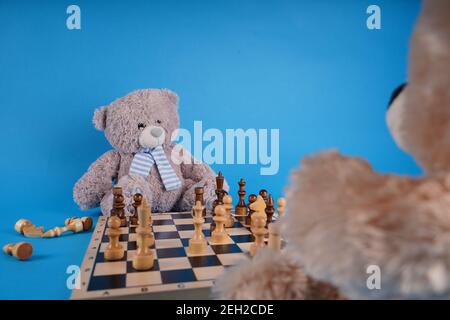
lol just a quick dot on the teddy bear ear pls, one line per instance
(173, 97)
(99, 119)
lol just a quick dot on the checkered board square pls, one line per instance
(174, 268)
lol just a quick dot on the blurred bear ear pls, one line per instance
(173, 97)
(100, 118)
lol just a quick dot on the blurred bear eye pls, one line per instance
(158, 121)
(141, 126)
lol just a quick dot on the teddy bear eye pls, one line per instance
(141, 126)
(158, 121)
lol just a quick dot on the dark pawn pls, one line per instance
(270, 210)
(264, 194)
(251, 198)
(137, 201)
(119, 206)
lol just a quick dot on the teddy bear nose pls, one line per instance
(156, 132)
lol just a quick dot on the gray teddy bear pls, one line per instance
(139, 126)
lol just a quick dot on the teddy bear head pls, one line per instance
(142, 119)
(419, 115)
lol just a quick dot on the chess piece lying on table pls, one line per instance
(73, 224)
(28, 229)
(21, 250)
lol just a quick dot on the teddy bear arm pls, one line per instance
(93, 185)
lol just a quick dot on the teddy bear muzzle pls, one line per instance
(152, 136)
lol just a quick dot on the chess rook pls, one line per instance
(21, 250)
(198, 244)
(241, 208)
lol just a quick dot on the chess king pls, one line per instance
(139, 127)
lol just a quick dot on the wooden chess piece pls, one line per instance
(143, 259)
(251, 198)
(137, 201)
(118, 208)
(274, 236)
(86, 221)
(199, 191)
(28, 229)
(21, 250)
(75, 226)
(259, 219)
(219, 235)
(198, 244)
(114, 250)
(264, 194)
(219, 190)
(241, 208)
(270, 210)
(228, 205)
(281, 205)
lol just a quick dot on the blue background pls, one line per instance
(310, 68)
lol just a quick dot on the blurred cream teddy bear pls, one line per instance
(345, 222)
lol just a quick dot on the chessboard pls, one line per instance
(175, 273)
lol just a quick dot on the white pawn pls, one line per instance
(219, 235)
(281, 204)
(274, 236)
(228, 205)
(259, 220)
(198, 244)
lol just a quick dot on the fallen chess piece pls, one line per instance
(28, 229)
(73, 224)
(21, 250)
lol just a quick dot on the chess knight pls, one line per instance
(139, 127)
(343, 218)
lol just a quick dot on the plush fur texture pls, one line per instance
(120, 121)
(419, 119)
(347, 217)
(342, 217)
(271, 275)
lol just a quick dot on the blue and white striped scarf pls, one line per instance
(143, 162)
